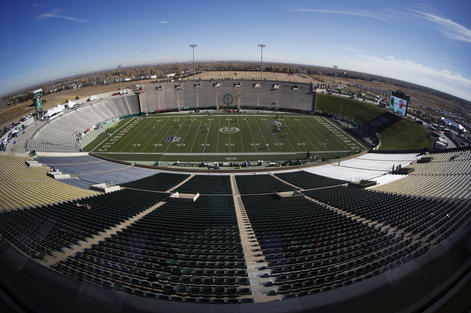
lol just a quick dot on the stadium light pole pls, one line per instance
(194, 45)
(261, 45)
(119, 69)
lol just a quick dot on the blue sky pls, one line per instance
(428, 43)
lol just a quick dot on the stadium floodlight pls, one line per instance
(261, 45)
(119, 69)
(194, 45)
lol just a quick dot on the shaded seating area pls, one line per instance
(43, 229)
(207, 184)
(311, 249)
(183, 251)
(90, 170)
(308, 180)
(418, 215)
(158, 182)
(260, 184)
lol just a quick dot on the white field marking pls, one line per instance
(359, 144)
(184, 136)
(228, 153)
(165, 136)
(307, 137)
(112, 134)
(241, 137)
(156, 134)
(207, 134)
(197, 133)
(159, 135)
(296, 137)
(250, 131)
(269, 130)
(217, 139)
(264, 139)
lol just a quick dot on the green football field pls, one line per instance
(222, 137)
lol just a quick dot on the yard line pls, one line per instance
(271, 132)
(137, 139)
(187, 129)
(112, 135)
(240, 135)
(260, 130)
(164, 135)
(217, 141)
(293, 132)
(250, 131)
(207, 134)
(122, 143)
(360, 145)
(288, 140)
(176, 133)
(197, 133)
(308, 137)
(156, 133)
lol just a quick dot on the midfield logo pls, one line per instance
(229, 130)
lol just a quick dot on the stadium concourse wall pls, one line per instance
(422, 151)
(190, 95)
(427, 281)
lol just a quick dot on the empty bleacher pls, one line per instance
(90, 170)
(307, 180)
(416, 215)
(159, 182)
(260, 184)
(310, 248)
(22, 186)
(61, 134)
(43, 229)
(447, 175)
(368, 166)
(182, 251)
(207, 184)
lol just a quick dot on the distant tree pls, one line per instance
(77, 97)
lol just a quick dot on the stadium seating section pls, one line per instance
(447, 175)
(181, 251)
(88, 170)
(260, 184)
(307, 180)
(159, 182)
(23, 186)
(61, 134)
(207, 184)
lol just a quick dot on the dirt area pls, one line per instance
(419, 99)
(15, 112)
(243, 75)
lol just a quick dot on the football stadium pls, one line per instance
(227, 196)
(167, 185)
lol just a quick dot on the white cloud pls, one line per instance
(360, 13)
(389, 66)
(447, 27)
(56, 14)
(164, 22)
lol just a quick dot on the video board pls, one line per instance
(398, 105)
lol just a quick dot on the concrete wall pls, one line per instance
(185, 95)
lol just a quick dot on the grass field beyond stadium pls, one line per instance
(191, 136)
